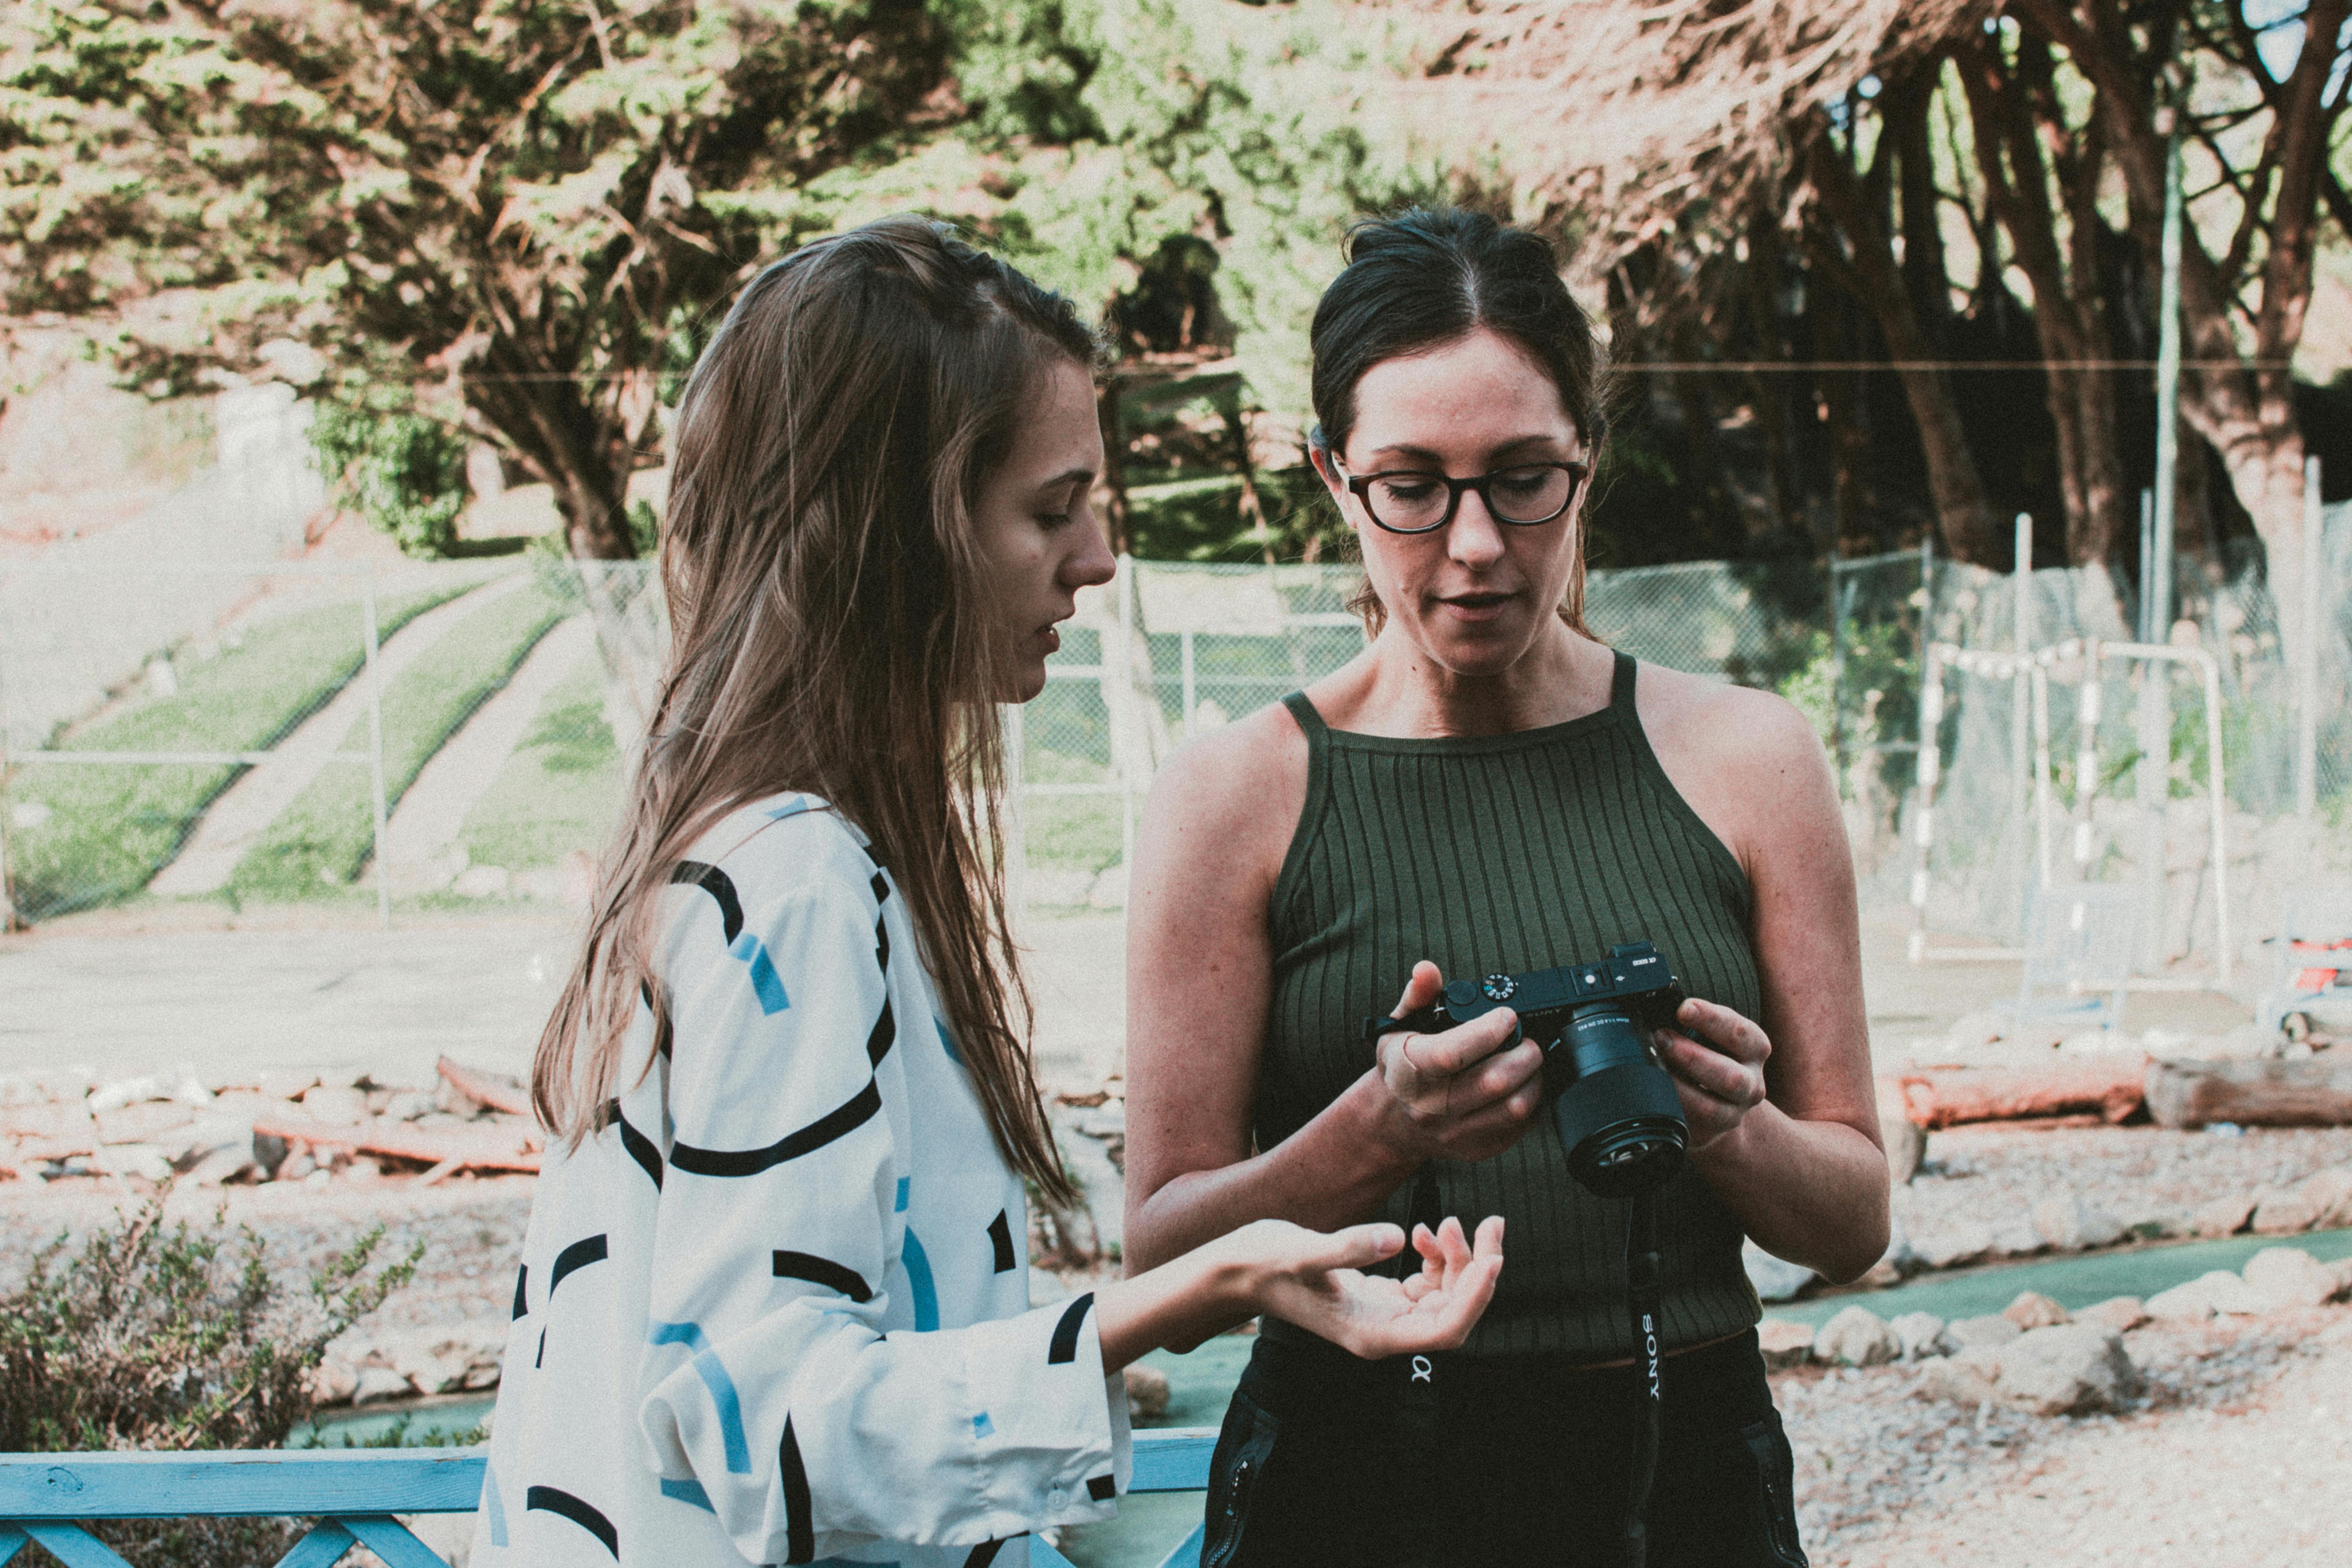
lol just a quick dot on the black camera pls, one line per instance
(1620, 1117)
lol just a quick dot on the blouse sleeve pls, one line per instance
(770, 1393)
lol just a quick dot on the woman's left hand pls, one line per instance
(1320, 1282)
(1717, 1059)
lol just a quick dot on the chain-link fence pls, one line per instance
(186, 731)
(314, 734)
(2097, 756)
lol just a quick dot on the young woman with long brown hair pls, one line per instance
(773, 1303)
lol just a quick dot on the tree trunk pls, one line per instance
(1972, 532)
(2315, 1094)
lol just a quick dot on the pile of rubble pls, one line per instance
(2037, 1357)
(275, 1127)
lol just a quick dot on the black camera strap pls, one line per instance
(1645, 1274)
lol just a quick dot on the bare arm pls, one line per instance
(1784, 1123)
(1200, 977)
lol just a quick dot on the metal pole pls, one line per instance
(1017, 778)
(1837, 671)
(2147, 607)
(2042, 794)
(1123, 753)
(2087, 707)
(1930, 760)
(2215, 786)
(2156, 684)
(2306, 654)
(376, 745)
(2020, 714)
(7, 886)
(1190, 702)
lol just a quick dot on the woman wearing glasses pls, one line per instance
(1489, 789)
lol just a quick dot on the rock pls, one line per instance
(2286, 1277)
(1906, 1141)
(125, 1091)
(220, 1166)
(146, 1121)
(65, 1121)
(372, 1383)
(2116, 1314)
(448, 1099)
(1965, 1243)
(335, 1107)
(2032, 1310)
(334, 1380)
(2219, 1291)
(1967, 1376)
(363, 1169)
(146, 1161)
(2018, 1239)
(1922, 1336)
(483, 882)
(1989, 1333)
(2222, 1216)
(446, 1359)
(2067, 1223)
(408, 1105)
(1775, 1279)
(2322, 1201)
(1785, 1343)
(2343, 1279)
(1856, 1337)
(294, 1167)
(2067, 1368)
(284, 1083)
(1146, 1393)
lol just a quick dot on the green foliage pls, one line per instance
(533, 192)
(161, 1336)
(103, 832)
(405, 473)
(323, 837)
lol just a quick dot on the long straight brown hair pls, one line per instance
(831, 634)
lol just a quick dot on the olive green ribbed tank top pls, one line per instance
(1501, 854)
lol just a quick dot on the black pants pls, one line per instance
(1495, 1462)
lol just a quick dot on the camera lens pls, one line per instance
(1619, 1116)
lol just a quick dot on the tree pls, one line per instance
(520, 201)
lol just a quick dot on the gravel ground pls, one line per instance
(1994, 1175)
(2241, 1452)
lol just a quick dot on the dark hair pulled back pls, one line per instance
(1431, 277)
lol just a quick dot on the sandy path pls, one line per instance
(425, 824)
(243, 812)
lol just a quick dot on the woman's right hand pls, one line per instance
(1456, 1094)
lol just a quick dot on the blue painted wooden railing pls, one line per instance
(354, 1496)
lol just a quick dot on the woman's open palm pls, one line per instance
(1319, 1283)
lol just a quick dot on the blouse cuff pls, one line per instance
(1038, 1391)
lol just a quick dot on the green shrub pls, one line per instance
(160, 1336)
(404, 473)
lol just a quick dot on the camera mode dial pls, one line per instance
(1498, 987)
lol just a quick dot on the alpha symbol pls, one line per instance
(1420, 1370)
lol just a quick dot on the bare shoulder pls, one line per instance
(1230, 798)
(1747, 762)
(1716, 724)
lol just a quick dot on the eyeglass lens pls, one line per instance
(1534, 493)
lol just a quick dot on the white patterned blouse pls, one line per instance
(777, 1310)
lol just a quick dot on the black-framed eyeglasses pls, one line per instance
(1413, 500)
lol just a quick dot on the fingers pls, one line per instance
(1735, 1082)
(1357, 1247)
(1464, 1044)
(1424, 988)
(1732, 1034)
